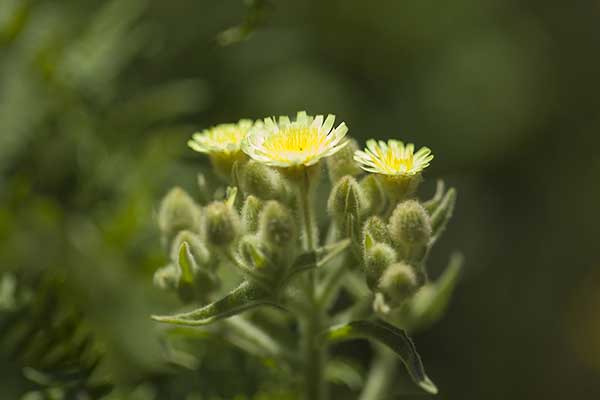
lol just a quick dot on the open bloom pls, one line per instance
(221, 139)
(288, 143)
(393, 158)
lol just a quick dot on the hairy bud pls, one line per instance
(377, 258)
(276, 225)
(410, 225)
(342, 163)
(377, 230)
(222, 224)
(178, 212)
(374, 193)
(250, 211)
(263, 181)
(346, 200)
(397, 283)
(167, 278)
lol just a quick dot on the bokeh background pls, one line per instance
(97, 99)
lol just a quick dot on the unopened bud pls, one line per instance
(398, 282)
(410, 225)
(374, 193)
(377, 259)
(346, 200)
(167, 278)
(250, 212)
(222, 224)
(263, 181)
(276, 225)
(178, 212)
(342, 163)
(377, 230)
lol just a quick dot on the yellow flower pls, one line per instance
(302, 142)
(393, 158)
(222, 139)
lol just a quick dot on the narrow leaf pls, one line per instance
(430, 302)
(244, 297)
(186, 262)
(441, 216)
(394, 338)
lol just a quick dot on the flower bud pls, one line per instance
(178, 212)
(397, 283)
(410, 225)
(197, 247)
(374, 193)
(276, 225)
(167, 277)
(262, 181)
(250, 212)
(346, 200)
(342, 163)
(377, 258)
(222, 224)
(377, 230)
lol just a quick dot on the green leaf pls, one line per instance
(187, 263)
(430, 302)
(394, 338)
(246, 296)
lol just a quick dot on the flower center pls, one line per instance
(294, 143)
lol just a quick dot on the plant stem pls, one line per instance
(312, 321)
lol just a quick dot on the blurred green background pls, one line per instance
(97, 99)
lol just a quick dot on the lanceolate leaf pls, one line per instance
(244, 297)
(394, 338)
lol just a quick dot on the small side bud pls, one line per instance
(222, 224)
(397, 283)
(346, 200)
(374, 193)
(167, 278)
(377, 230)
(377, 258)
(250, 212)
(276, 225)
(263, 181)
(410, 225)
(178, 212)
(342, 163)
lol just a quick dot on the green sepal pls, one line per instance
(433, 203)
(442, 214)
(429, 304)
(246, 296)
(394, 338)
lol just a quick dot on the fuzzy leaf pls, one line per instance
(442, 214)
(394, 338)
(431, 301)
(244, 297)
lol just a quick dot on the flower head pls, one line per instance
(222, 139)
(288, 143)
(393, 158)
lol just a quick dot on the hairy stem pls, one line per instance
(312, 322)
